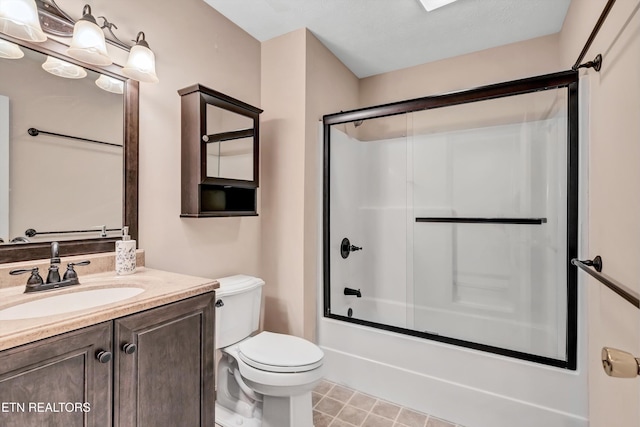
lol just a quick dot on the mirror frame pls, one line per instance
(41, 250)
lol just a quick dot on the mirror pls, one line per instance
(229, 140)
(69, 154)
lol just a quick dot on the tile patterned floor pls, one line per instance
(338, 406)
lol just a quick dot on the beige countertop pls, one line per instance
(160, 288)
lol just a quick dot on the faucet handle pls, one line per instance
(71, 273)
(34, 279)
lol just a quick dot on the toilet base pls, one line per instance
(226, 418)
(290, 411)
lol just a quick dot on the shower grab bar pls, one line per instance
(467, 220)
(618, 288)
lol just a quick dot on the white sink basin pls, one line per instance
(66, 303)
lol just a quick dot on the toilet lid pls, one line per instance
(273, 352)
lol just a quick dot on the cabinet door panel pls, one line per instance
(168, 380)
(57, 381)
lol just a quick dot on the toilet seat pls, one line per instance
(281, 353)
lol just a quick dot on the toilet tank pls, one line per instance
(238, 302)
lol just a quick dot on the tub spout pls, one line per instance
(356, 292)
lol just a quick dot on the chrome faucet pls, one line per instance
(35, 282)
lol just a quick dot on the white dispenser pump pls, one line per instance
(125, 253)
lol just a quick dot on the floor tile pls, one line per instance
(376, 421)
(323, 387)
(411, 418)
(321, 420)
(352, 415)
(335, 405)
(315, 398)
(386, 409)
(340, 393)
(329, 406)
(362, 401)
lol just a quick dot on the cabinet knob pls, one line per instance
(129, 348)
(103, 356)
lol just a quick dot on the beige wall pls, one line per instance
(301, 81)
(518, 60)
(193, 44)
(282, 181)
(614, 194)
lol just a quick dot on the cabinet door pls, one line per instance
(58, 381)
(164, 374)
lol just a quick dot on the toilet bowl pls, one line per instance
(264, 380)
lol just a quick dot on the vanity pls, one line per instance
(146, 360)
(135, 350)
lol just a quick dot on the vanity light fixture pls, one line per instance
(141, 64)
(110, 84)
(61, 68)
(430, 5)
(19, 19)
(88, 43)
(10, 50)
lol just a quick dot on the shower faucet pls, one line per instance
(346, 248)
(356, 292)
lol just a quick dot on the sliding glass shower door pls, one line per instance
(454, 218)
(489, 224)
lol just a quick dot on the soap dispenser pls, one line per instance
(125, 253)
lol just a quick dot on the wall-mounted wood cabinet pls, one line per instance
(220, 154)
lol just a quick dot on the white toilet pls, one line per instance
(263, 380)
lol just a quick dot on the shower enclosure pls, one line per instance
(454, 217)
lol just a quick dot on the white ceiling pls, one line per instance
(377, 36)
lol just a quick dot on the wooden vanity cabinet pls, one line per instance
(160, 371)
(61, 370)
(164, 366)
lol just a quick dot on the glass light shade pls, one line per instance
(110, 84)
(19, 19)
(61, 68)
(88, 44)
(10, 50)
(141, 65)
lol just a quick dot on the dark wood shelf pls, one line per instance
(204, 196)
